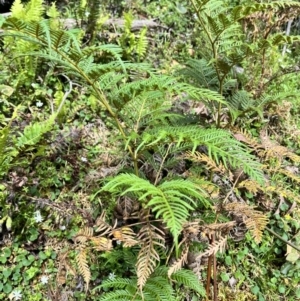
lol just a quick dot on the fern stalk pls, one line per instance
(215, 56)
(101, 98)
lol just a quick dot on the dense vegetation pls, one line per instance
(155, 158)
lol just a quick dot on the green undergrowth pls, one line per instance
(156, 163)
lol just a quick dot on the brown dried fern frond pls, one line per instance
(250, 185)
(213, 248)
(210, 163)
(83, 235)
(102, 226)
(274, 150)
(126, 235)
(295, 158)
(290, 175)
(222, 228)
(182, 260)
(191, 230)
(101, 243)
(83, 267)
(150, 237)
(64, 267)
(126, 208)
(268, 148)
(283, 192)
(243, 136)
(144, 215)
(277, 152)
(254, 220)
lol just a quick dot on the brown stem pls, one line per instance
(208, 276)
(215, 274)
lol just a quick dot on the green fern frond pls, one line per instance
(200, 73)
(194, 92)
(17, 9)
(5, 150)
(189, 280)
(53, 14)
(117, 283)
(94, 10)
(171, 200)
(273, 5)
(220, 146)
(4, 134)
(184, 277)
(34, 10)
(34, 132)
(123, 295)
(142, 43)
(147, 109)
(157, 288)
(240, 100)
(128, 18)
(160, 288)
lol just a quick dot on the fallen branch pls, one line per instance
(136, 24)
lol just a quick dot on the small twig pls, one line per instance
(65, 95)
(279, 205)
(162, 162)
(294, 205)
(232, 188)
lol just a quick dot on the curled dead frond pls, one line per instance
(281, 191)
(101, 243)
(273, 150)
(150, 237)
(126, 235)
(83, 235)
(254, 220)
(126, 208)
(295, 158)
(277, 151)
(191, 230)
(267, 148)
(102, 226)
(64, 267)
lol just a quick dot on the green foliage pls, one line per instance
(4, 158)
(94, 15)
(164, 154)
(158, 287)
(32, 11)
(169, 200)
(227, 48)
(130, 42)
(33, 133)
(25, 270)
